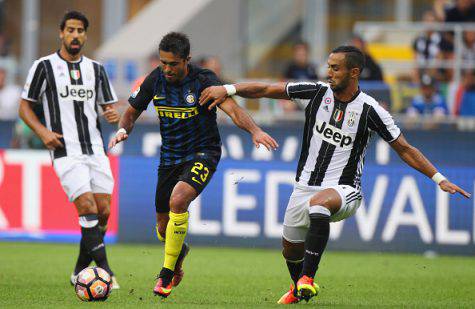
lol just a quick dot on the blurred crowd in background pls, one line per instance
(429, 90)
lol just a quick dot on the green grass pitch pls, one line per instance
(36, 275)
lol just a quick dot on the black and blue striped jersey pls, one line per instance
(188, 129)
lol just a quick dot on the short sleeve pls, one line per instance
(382, 122)
(142, 96)
(208, 78)
(35, 82)
(302, 92)
(106, 93)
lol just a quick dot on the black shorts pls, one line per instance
(197, 173)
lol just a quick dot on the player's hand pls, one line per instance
(119, 137)
(215, 94)
(265, 139)
(111, 115)
(447, 186)
(51, 139)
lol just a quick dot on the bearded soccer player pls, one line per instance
(191, 145)
(71, 86)
(339, 120)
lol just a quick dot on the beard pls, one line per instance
(73, 50)
(342, 85)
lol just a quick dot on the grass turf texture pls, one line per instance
(37, 275)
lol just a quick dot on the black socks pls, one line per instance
(84, 259)
(94, 245)
(315, 242)
(295, 269)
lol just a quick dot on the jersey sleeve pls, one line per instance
(208, 78)
(142, 96)
(106, 93)
(35, 82)
(302, 92)
(382, 122)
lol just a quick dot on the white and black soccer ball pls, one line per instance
(93, 284)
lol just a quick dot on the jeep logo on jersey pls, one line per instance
(334, 135)
(77, 92)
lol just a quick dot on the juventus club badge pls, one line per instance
(351, 119)
(75, 74)
(338, 115)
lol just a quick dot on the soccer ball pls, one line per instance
(93, 284)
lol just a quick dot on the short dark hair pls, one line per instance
(74, 15)
(353, 56)
(177, 43)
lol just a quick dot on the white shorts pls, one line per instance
(84, 173)
(297, 220)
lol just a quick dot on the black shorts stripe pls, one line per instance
(37, 82)
(351, 195)
(353, 199)
(53, 107)
(79, 115)
(326, 150)
(350, 175)
(106, 90)
(310, 118)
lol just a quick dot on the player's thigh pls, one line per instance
(296, 219)
(182, 195)
(74, 175)
(350, 201)
(198, 173)
(102, 180)
(167, 178)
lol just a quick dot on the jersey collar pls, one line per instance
(352, 99)
(77, 61)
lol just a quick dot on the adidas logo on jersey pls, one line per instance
(333, 135)
(77, 92)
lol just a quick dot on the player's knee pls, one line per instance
(320, 200)
(86, 205)
(179, 203)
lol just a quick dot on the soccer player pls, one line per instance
(191, 145)
(71, 86)
(339, 120)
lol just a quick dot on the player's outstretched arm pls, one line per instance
(245, 122)
(126, 124)
(414, 158)
(49, 138)
(217, 94)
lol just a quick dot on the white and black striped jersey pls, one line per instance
(336, 134)
(70, 93)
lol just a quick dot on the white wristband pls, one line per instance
(121, 130)
(438, 178)
(230, 89)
